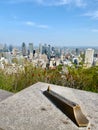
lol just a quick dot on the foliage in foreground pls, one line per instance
(84, 79)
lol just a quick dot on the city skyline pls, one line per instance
(57, 22)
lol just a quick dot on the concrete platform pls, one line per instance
(4, 94)
(31, 110)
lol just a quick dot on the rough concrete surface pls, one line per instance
(4, 94)
(31, 110)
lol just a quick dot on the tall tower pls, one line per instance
(31, 50)
(77, 51)
(23, 49)
(44, 49)
(49, 51)
(89, 56)
(40, 48)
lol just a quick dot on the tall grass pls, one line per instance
(85, 79)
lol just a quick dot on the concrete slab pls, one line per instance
(4, 94)
(31, 110)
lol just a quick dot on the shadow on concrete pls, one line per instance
(70, 109)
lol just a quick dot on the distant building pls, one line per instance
(15, 51)
(49, 51)
(44, 49)
(10, 48)
(75, 61)
(23, 49)
(1, 47)
(8, 57)
(44, 57)
(77, 51)
(40, 48)
(96, 61)
(52, 63)
(31, 50)
(5, 48)
(89, 57)
(62, 57)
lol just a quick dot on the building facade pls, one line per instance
(89, 57)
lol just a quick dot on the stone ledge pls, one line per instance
(4, 94)
(31, 110)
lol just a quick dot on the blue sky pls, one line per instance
(57, 22)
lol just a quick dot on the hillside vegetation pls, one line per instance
(79, 78)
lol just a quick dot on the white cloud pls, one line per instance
(43, 26)
(55, 2)
(78, 3)
(30, 23)
(93, 14)
(33, 24)
(94, 30)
